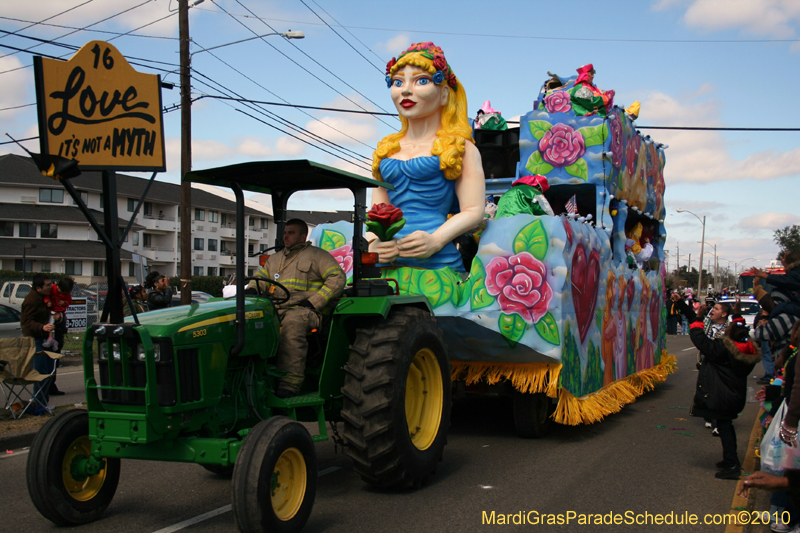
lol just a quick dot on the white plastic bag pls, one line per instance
(776, 455)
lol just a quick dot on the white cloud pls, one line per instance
(662, 5)
(770, 221)
(253, 147)
(344, 131)
(15, 86)
(395, 45)
(290, 147)
(773, 18)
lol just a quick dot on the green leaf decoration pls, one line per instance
(375, 227)
(532, 238)
(416, 273)
(512, 326)
(579, 169)
(536, 164)
(548, 329)
(479, 297)
(392, 230)
(331, 240)
(598, 317)
(594, 135)
(436, 286)
(539, 128)
(427, 55)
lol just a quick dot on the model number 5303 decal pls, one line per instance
(199, 333)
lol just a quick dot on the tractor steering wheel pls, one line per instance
(277, 300)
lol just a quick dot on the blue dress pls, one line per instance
(426, 198)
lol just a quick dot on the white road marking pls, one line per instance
(17, 453)
(222, 510)
(192, 521)
(687, 349)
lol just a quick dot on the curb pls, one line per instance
(751, 464)
(15, 441)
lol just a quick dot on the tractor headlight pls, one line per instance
(140, 353)
(102, 350)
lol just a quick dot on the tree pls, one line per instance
(788, 239)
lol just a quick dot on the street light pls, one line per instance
(25, 246)
(288, 34)
(702, 241)
(716, 265)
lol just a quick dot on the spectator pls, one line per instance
(58, 301)
(673, 315)
(160, 295)
(685, 319)
(34, 322)
(138, 298)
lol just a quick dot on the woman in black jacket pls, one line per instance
(721, 393)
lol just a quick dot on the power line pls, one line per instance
(348, 31)
(342, 38)
(108, 32)
(312, 74)
(32, 23)
(527, 37)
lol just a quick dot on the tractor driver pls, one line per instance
(313, 277)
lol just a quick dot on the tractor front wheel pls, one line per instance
(58, 488)
(397, 398)
(274, 477)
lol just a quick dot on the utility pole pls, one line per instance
(678, 258)
(186, 154)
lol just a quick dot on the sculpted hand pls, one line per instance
(387, 250)
(418, 244)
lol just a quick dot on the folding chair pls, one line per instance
(17, 376)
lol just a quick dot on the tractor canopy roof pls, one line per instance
(282, 177)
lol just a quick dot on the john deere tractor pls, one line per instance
(195, 383)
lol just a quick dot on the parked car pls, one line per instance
(9, 322)
(13, 292)
(198, 297)
(749, 307)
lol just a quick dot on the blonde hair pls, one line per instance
(451, 138)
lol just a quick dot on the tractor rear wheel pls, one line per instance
(397, 398)
(274, 477)
(532, 414)
(56, 486)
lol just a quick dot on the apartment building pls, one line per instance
(40, 222)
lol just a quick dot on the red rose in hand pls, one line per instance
(520, 284)
(384, 220)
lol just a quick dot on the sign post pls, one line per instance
(96, 109)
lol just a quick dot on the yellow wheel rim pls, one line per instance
(424, 399)
(85, 489)
(288, 484)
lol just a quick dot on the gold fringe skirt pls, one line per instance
(545, 377)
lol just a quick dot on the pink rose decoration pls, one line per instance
(520, 285)
(562, 146)
(616, 139)
(557, 102)
(344, 256)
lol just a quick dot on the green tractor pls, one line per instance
(195, 383)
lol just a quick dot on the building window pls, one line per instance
(148, 240)
(136, 238)
(84, 196)
(198, 271)
(7, 229)
(28, 265)
(250, 249)
(51, 196)
(263, 222)
(198, 244)
(46, 265)
(212, 245)
(131, 205)
(252, 222)
(49, 230)
(212, 271)
(27, 229)
(131, 269)
(200, 214)
(213, 216)
(73, 268)
(148, 208)
(100, 269)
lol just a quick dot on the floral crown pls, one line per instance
(436, 55)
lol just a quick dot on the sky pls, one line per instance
(716, 63)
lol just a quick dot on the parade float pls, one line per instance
(567, 310)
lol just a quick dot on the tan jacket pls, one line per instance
(308, 272)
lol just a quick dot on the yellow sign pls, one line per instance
(96, 109)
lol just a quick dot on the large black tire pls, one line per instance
(532, 414)
(55, 493)
(274, 477)
(397, 398)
